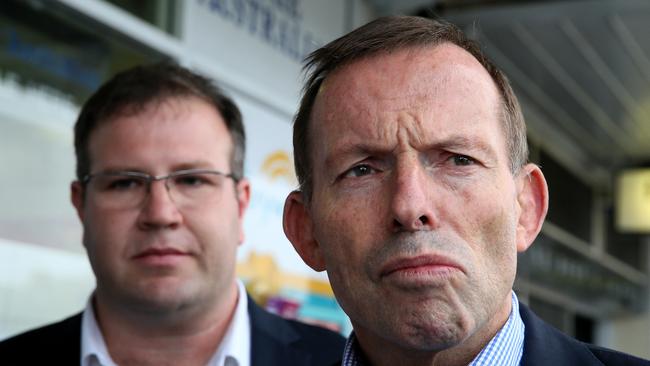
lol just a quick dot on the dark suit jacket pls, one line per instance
(274, 341)
(545, 345)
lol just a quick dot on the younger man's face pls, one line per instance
(163, 254)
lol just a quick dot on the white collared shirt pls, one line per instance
(234, 349)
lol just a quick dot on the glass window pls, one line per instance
(553, 314)
(51, 60)
(561, 269)
(629, 248)
(61, 53)
(160, 13)
(570, 199)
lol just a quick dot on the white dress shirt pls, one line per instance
(234, 349)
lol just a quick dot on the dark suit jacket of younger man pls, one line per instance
(274, 341)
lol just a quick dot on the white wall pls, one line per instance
(39, 285)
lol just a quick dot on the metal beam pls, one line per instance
(537, 94)
(599, 116)
(618, 90)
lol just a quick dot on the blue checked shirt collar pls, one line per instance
(505, 348)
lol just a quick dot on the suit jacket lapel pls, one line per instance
(544, 345)
(272, 339)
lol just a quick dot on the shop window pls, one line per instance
(552, 314)
(559, 268)
(160, 13)
(570, 199)
(584, 328)
(61, 53)
(51, 59)
(629, 248)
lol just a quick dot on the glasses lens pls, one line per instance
(130, 189)
(194, 187)
(118, 190)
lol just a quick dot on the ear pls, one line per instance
(243, 199)
(77, 198)
(298, 227)
(532, 199)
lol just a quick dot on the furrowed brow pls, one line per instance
(337, 154)
(464, 143)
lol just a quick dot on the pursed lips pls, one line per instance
(401, 264)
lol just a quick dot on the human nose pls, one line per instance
(158, 209)
(411, 203)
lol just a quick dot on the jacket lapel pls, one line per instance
(545, 345)
(272, 339)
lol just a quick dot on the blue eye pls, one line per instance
(360, 170)
(462, 160)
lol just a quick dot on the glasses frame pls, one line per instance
(149, 179)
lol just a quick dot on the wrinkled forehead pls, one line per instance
(404, 67)
(434, 79)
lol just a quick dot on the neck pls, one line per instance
(189, 335)
(382, 352)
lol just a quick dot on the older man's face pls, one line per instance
(415, 213)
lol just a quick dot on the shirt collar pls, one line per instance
(505, 348)
(352, 355)
(93, 347)
(234, 349)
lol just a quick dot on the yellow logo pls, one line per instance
(263, 278)
(279, 165)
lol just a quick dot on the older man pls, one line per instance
(416, 196)
(161, 196)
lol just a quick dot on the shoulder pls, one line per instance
(318, 337)
(59, 341)
(287, 342)
(611, 357)
(545, 345)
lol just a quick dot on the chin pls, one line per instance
(161, 304)
(431, 329)
(433, 337)
(163, 297)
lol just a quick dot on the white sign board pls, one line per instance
(262, 41)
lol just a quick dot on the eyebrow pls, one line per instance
(454, 143)
(196, 164)
(363, 148)
(458, 142)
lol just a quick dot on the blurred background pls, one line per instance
(581, 70)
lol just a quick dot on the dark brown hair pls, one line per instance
(130, 91)
(389, 34)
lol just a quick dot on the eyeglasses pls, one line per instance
(124, 189)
